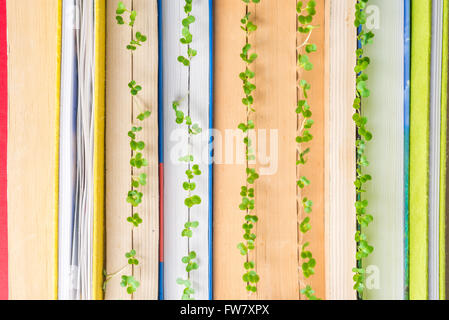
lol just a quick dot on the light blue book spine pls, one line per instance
(407, 13)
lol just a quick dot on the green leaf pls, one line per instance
(196, 200)
(311, 48)
(120, 8)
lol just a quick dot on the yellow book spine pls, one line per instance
(56, 170)
(99, 140)
(419, 148)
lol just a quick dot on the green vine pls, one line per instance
(135, 196)
(250, 277)
(305, 14)
(364, 249)
(190, 260)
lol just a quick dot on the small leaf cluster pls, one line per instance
(365, 37)
(249, 151)
(247, 126)
(247, 76)
(135, 89)
(247, 25)
(138, 161)
(305, 13)
(189, 261)
(187, 37)
(134, 198)
(144, 115)
(305, 225)
(181, 118)
(303, 182)
(251, 277)
(135, 220)
(138, 41)
(248, 203)
(188, 226)
(121, 9)
(363, 218)
(364, 249)
(305, 86)
(131, 256)
(192, 201)
(309, 262)
(139, 38)
(309, 293)
(130, 283)
(188, 289)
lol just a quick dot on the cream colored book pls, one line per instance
(340, 162)
(122, 66)
(33, 104)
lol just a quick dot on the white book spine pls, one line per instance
(385, 112)
(178, 82)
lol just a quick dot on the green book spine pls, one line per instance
(419, 147)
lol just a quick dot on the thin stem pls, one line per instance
(306, 42)
(112, 275)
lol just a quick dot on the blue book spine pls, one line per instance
(407, 67)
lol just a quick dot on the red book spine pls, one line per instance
(3, 154)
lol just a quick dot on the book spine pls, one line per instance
(211, 124)
(161, 154)
(340, 215)
(56, 155)
(3, 154)
(407, 35)
(444, 192)
(384, 109)
(99, 140)
(419, 147)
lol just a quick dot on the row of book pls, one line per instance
(73, 88)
